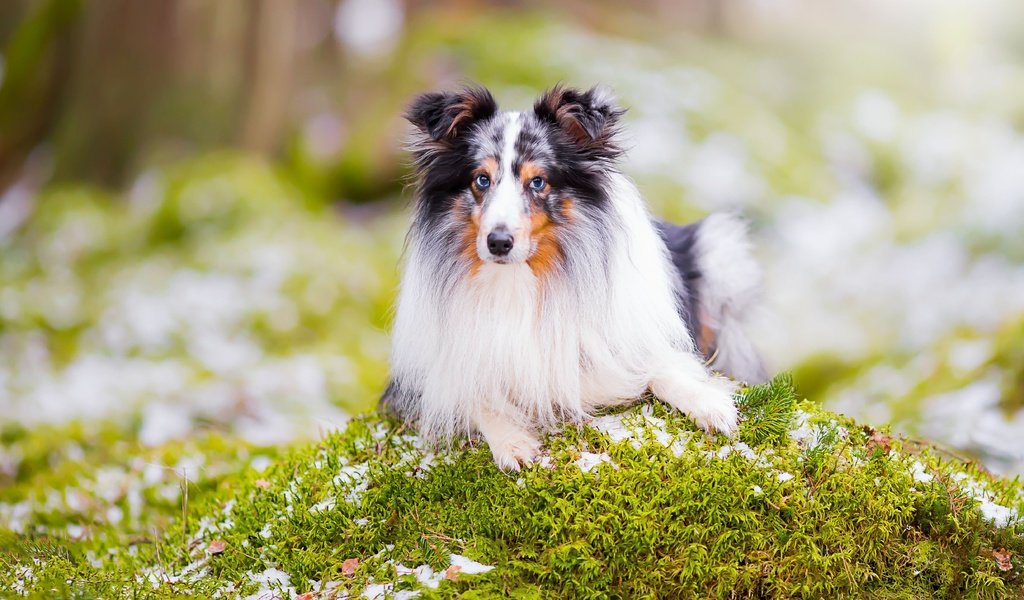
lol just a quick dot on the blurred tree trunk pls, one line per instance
(36, 68)
(126, 49)
(271, 63)
(116, 84)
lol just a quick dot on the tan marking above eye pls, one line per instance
(528, 171)
(488, 167)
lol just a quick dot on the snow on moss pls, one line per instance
(589, 460)
(639, 502)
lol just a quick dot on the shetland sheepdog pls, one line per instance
(538, 289)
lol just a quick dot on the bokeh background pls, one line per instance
(202, 204)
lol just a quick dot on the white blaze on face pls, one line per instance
(505, 205)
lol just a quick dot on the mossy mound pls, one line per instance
(636, 503)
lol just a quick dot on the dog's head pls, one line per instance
(512, 178)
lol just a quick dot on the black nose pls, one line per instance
(499, 242)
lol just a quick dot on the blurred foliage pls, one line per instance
(216, 279)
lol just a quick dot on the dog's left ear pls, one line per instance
(590, 118)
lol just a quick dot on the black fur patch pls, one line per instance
(444, 115)
(443, 152)
(587, 119)
(398, 402)
(680, 241)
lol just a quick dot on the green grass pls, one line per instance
(810, 508)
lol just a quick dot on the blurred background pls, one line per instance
(202, 204)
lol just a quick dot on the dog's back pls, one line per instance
(718, 292)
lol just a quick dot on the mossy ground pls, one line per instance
(636, 503)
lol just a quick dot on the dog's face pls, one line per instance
(511, 179)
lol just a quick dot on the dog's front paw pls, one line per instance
(714, 408)
(706, 400)
(514, 449)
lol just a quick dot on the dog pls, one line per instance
(537, 288)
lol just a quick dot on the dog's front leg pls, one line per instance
(511, 445)
(685, 383)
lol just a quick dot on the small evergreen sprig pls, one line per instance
(768, 411)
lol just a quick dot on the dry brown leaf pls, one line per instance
(452, 573)
(879, 440)
(216, 547)
(1002, 557)
(349, 566)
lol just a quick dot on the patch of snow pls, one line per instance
(468, 566)
(634, 426)
(589, 460)
(424, 574)
(327, 503)
(353, 479)
(613, 426)
(920, 473)
(378, 591)
(272, 582)
(225, 591)
(997, 513)
(23, 575)
(809, 435)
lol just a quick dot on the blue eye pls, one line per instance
(483, 182)
(537, 183)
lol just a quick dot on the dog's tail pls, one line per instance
(721, 294)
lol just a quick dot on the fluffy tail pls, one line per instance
(722, 291)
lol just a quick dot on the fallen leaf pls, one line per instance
(216, 547)
(1002, 557)
(349, 566)
(262, 484)
(879, 440)
(452, 572)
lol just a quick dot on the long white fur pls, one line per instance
(508, 355)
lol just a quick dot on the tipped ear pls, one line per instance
(443, 115)
(589, 118)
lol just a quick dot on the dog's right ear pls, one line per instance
(444, 115)
(589, 118)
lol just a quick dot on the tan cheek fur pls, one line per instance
(544, 239)
(472, 230)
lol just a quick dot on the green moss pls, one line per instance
(809, 507)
